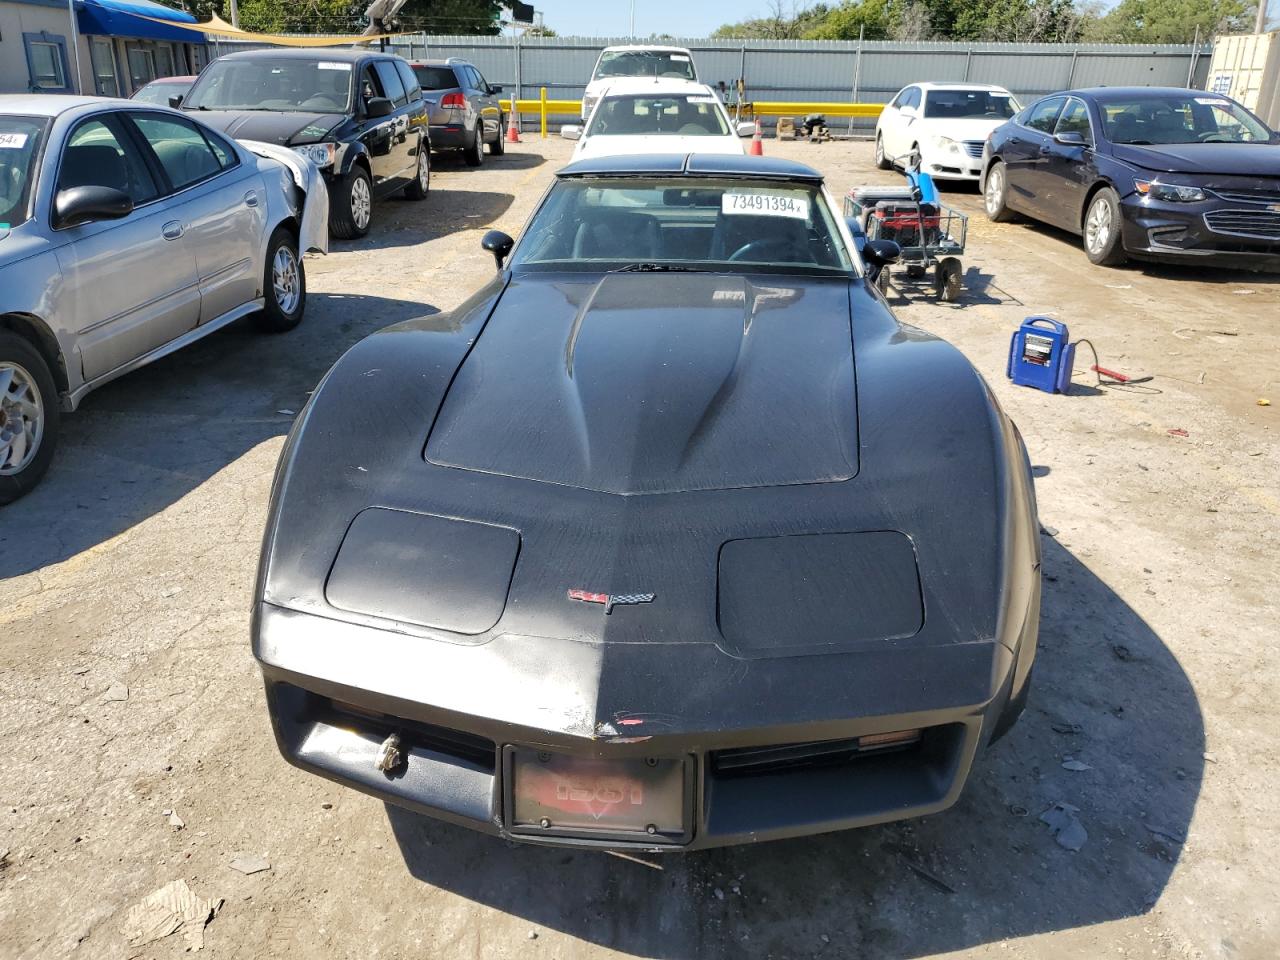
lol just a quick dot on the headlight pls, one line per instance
(946, 143)
(1168, 192)
(321, 154)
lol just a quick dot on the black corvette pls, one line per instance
(669, 537)
(1180, 176)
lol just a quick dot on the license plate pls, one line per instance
(555, 793)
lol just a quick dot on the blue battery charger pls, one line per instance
(1041, 355)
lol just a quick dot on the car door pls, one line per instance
(1025, 152)
(417, 109)
(908, 104)
(378, 134)
(129, 285)
(889, 119)
(402, 144)
(220, 202)
(1067, 169)
(487, 105)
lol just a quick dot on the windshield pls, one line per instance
(20, 139)
(435, 78)
(1179, 118)
(970, 105)
(160, 92)
(682, 224)
(646, 115)
(645, 63)
(284, 83)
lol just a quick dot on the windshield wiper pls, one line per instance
(657, 268)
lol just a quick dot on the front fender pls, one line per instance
(351, 154)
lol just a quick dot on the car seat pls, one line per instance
(93, 165)
(1125, 127)
(615, 235)
(733, 231)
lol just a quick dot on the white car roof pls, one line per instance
(625, 86)
(936, 85)
(645, 46)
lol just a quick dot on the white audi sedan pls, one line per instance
(944, 125)
(126, 232)
(657, 116)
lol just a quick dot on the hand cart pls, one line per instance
(931, 235)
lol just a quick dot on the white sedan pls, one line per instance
(944, 125)
(657, 116)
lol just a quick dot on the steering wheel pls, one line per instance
(1212, 137)
(765, 243)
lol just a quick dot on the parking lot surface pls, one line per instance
(127, 687)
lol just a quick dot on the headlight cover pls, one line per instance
(321, 154)
(946, 143)
(1168, 192)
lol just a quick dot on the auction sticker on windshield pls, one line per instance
(333, 65)
(765, 204)
(12, 141)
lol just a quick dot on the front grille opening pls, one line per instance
(427, 736)
(774, 758)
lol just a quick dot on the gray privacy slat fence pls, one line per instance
(810, 70)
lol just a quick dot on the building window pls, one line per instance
(104, 68)
(164, 60)
(46, 61)
(142, 66)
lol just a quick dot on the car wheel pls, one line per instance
(420, 186)
(29, 417)
(474, 154)
(882, 162)
(994, 194)
(882, 280)
(915, 271)
(351, 205)
(499, 145)
(284, 284)
(1102, 233)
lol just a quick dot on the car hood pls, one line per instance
(271, 127)
(614, 146)
(976, 129)
(658, 383)
(1237, 159)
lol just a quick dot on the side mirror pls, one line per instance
(1069, 138)
(746, 128)
(495, 88)
(881, 253)
(571, 131)
(79, 205)
(175, 101)
(499, 244)
(376, 107)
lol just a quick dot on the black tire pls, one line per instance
(915, 271)
(499, 145)
(882, 280)
(1104, 239)
(882, 161)
(420, 185)
(947, 281)
(995, 194)
(19, 356)
(344, 205)
(474, 154)
(284, 296)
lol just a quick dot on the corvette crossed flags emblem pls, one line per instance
(610, 600)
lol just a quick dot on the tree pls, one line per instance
(1171, 21)
(872, 18)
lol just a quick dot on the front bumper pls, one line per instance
(1212, 232)
(950, 165)
(336, 690)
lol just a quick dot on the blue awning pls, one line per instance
(129, 18)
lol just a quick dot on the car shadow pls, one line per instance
(404, 223)
(1108, 693)
(144, 441)
(511, 160)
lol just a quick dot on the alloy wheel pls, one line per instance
(995, 190)
(284, 280)
(424, 169)
(361, 202)
(21, 418)
(1097, 231)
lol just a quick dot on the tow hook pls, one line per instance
(389, 756)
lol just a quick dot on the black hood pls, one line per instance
(1235, 159)
(658, 383)
(271, 126)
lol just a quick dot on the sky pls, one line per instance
(612, 18)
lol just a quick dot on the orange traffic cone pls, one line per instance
(757, 145)
(513, 130)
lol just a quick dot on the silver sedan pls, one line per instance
(126, 232)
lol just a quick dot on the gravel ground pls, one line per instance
(127, 688)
